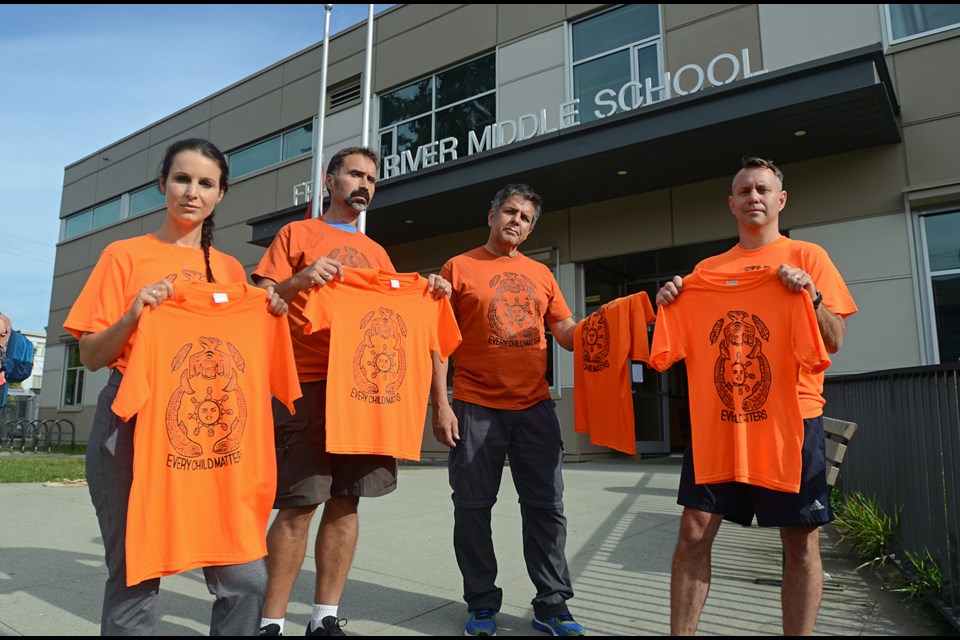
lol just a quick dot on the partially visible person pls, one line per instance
(756, 200)
(132, 275)
(306, 254)
(6, 326)
(502, 408)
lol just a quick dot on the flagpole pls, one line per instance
(365, 125)
(317, 195)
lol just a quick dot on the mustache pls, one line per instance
(361, 192)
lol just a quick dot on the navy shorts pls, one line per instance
(738, 502)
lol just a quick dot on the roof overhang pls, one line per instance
(845, 102)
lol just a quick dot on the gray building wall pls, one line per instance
(854, 204)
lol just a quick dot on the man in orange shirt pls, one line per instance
(305, 254)
(756, 202)
(502, 406)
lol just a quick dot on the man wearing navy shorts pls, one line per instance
(756, 201)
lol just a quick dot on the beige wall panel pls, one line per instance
(159, 147)
(865, 249)
(449, 39)
(516, 20)
(240, 126)
(530, 55)
(288, 176)
(797, 33)
(82, 420)
(552, 231)
(305, 63)
(700, 42)
(924, 94)
(114, 179)
(347, 68)
(81, 169)
(64, 293)
(246, 91)
(343, 125)
(55, 330)
(432, 253)
(848, 185)
(299, 101)
(125, 148)
(78, 195)
(175, 126)
(152, 221)
(235, 240)
(624, 225)
(880, 335)
(678, 15)
(53, 375)
(544, 90)
(249, 198)
(330, 149)
(72, 255)
(928, 158)
(701, 213)
(98, 241)
(409, 17)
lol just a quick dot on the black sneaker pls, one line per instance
(329, 626)
(271, 629)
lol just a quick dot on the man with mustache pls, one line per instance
(502, 407)
(756, 201)
(305, 254)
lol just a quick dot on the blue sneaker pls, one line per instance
(561, 625)
(482, 622)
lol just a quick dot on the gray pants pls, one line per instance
(531, 439)
(239, 589)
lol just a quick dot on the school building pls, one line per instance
(630, 120)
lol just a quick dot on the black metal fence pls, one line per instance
(906, 454)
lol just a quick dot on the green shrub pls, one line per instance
(923, 576)
(862, 523)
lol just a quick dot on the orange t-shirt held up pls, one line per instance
(199, 379)
(383, 328)
(745, 338)
(604, 344)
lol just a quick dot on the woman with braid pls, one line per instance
(129, 276)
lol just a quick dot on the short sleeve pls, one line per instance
(137, 382)
(808, 344)
(284, 384)
(101, 301)
(448, 332)
(275, 263)
(668, 344)
(317, 308)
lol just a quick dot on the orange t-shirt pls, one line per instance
(815, 261)
(297, 246)
(384, 326)
(501, 305)
(125, 267)
(744, 337)
(603, 345)
(199, 379)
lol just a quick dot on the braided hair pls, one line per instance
(209, 150)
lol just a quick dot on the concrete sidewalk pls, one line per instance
(622, 518)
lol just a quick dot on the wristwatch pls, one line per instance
(817, 300)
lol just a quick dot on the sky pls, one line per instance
(77, 78)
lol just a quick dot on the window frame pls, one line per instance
(77, 393)
(928, 274)
(633, 48)
(888, 28)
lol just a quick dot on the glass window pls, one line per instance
(913, 20)
(467, 80)
(448, 105)
(77, 224)
(614, 48)
(107, 213)
(405, 103)
(942, 238)
(73, 377)
(298, 142)
(255, 158)
(146, 199)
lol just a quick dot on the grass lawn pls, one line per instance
(40, 468)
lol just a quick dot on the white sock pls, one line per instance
(278, 621)
(321, 611)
